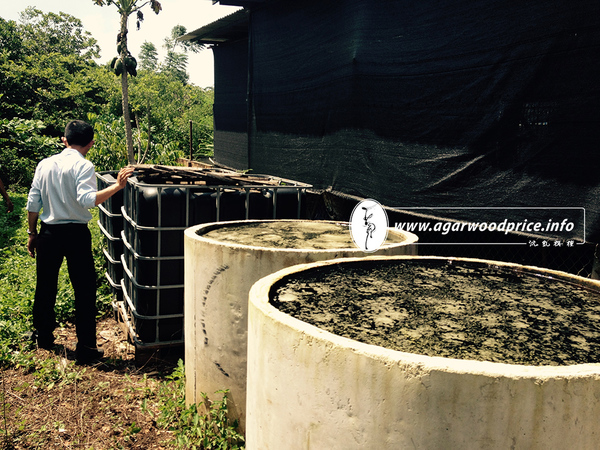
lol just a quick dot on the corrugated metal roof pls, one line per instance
(229, 28)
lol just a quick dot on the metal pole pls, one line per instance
(191, 145)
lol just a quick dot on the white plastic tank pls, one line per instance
(222, 261)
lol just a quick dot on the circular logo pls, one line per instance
(369, 225)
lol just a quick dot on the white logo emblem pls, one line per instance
(369, 225)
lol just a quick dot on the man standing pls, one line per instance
(64, 189)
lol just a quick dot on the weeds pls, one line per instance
(193, 429)
(46, 401)
(51, 372)
(6, 435)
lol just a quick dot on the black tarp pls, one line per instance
(230, 106)
(440, 104)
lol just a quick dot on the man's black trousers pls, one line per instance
(55, 243)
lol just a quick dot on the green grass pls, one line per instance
(17, 280)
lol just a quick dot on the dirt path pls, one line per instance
(57, 404)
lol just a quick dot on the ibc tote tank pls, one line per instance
(159, 203)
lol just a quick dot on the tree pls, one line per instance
(59, 33)
(188, 46)
(47, 70)
(148, 57)
(48, 77)
(126, 8)
(164, 107)
(22, 145)
(176, 62)
(11, 43)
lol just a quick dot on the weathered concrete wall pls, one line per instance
(218, 277)
(310, 389)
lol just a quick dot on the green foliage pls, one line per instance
(176, 65)
(56, 33)
(47, 69)
(11, 43)
(22, 146)
(109, 151)
(168, 105)
(17, 282)
(176, 62)
(51, 87)
(148, 56)
(165, 154)
(49, 78)
(54, 372)
(193, 429)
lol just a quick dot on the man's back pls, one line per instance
(64, 186)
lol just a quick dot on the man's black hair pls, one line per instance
(78, 132)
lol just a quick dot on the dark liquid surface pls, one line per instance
(465, 311)
(312, 235)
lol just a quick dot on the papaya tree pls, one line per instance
(125, 64)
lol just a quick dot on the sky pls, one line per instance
(103, 23)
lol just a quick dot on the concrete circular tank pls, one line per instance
(310, 388)
(222, 261)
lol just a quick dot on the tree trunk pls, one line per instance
(125, 91)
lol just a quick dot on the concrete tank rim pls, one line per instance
(192, 233)
(260, 294)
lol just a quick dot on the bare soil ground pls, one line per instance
(61, 405)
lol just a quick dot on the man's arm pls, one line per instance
(32, 220)
(106, 193)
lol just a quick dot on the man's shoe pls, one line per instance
(45, 341)
(87, 355)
